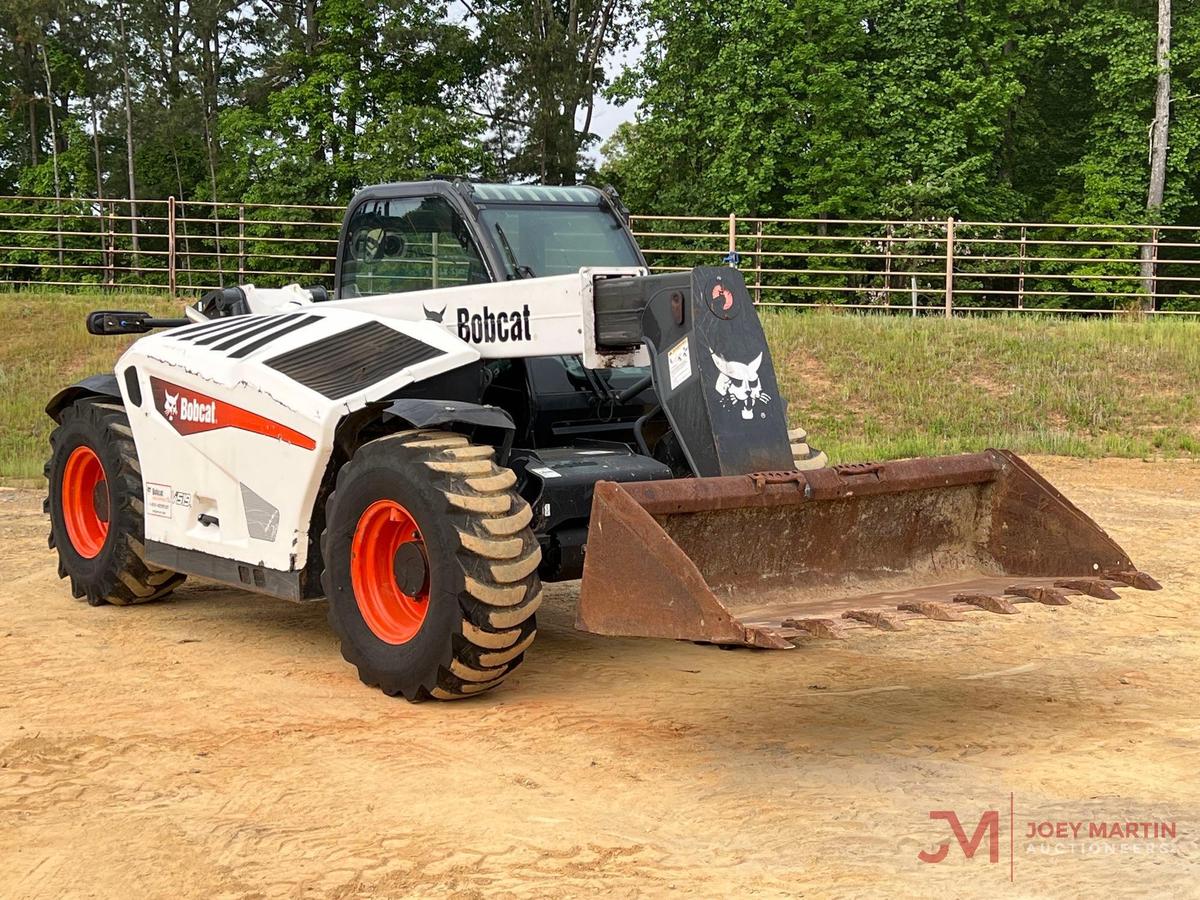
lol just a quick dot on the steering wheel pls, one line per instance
(365, 246)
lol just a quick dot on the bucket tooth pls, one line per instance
(930, 610)
(822, 628)
(876, 618)
(987, 602)
(1139, 580)
(1046, 595)
(1093, 587)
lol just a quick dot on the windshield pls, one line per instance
(545, 239)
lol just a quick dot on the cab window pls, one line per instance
(410, 244)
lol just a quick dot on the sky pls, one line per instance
(607, 116)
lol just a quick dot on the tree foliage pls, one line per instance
(546, 60)
(981, 109)
(296, 100)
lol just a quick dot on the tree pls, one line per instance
(127, 103)
(901, 108)
(754, 107)
(354, 90)
(1159, 132)
(547, 58)
(994, 109)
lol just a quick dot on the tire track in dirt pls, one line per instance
(216, 745)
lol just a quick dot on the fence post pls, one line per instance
(950, 267)
(887, 266)
(103, 245)
(1021, 271)
(187, 244)
(112, 243)
(171, 282)
(758, 233)
(216, 217)
(1154, 269)
(732, 238)
(59, 227)
(241, 244)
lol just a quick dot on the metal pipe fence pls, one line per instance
(920, 267)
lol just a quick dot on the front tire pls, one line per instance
(430, 566)
(96, 509)
(804, 455)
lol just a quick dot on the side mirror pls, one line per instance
(113, 322)
(109, 322)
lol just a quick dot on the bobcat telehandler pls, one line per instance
(496, 393)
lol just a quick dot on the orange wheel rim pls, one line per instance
(389, 571)
(85, 502)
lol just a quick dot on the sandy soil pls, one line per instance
(216, 745)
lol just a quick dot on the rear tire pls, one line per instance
(430, 566)
(95, 504)
(804, 455)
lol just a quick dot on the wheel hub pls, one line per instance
(410, 569)
(100, 501)
(85, 502)
(389, 572)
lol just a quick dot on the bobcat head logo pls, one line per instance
(434, 315)
(724, 295)
(171, 406)
(739, 384)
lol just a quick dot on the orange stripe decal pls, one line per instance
(190, 412)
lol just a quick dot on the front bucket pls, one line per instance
(762, 559)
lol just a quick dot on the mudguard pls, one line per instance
(418, 413)
(103, 385)
(430, 413)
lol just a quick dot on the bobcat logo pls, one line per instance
(171, 406)
(434, 315)
(725, 295)
(738, 384)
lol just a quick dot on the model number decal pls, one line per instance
(158, 499)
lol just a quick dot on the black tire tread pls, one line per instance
(805, 456)
(130, 579)
(498, 556)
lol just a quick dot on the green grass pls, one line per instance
(879, 387)
(43, 348)
(866, 387)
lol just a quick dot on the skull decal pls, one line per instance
(739, 385)
(171, 406)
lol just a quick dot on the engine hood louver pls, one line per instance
(353, 360)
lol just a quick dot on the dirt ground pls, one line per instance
(217, 746)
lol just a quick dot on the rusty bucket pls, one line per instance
(761, 560)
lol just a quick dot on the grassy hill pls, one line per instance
(866, 387)
(893, 386)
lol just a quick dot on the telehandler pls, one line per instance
(496, 393)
